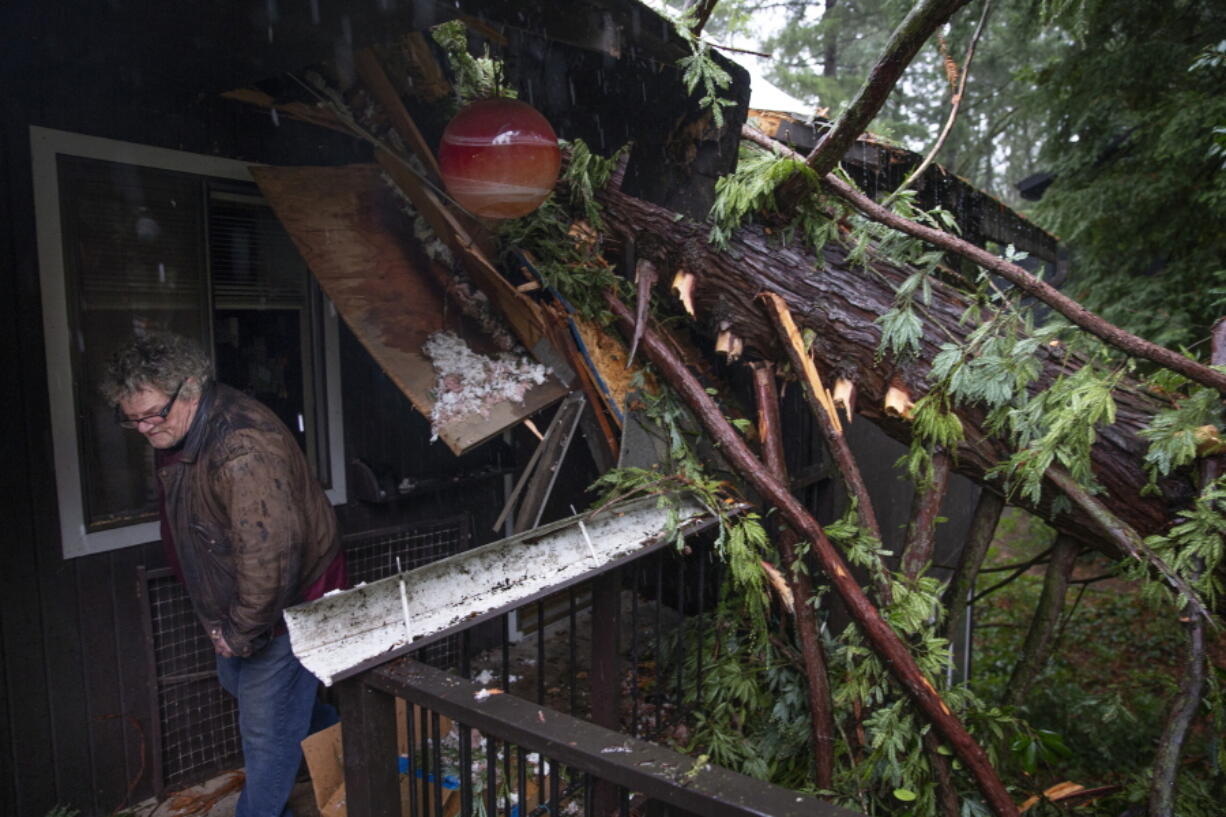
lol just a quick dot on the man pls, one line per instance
(248, 530)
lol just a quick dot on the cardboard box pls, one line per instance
(325, 761)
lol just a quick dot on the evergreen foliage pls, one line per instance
(1134, 110)
(1124, 102)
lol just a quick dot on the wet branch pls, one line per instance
(1019, 277)
(954, 105)
(917, 553)
(1015, 572)
(821, 706)
(1183, 707)
(877, 633)
(1045, 622)
(925, 508)
(915, 29)
(1125, 537)
(701, 14)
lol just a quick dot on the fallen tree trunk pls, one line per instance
(840, 303)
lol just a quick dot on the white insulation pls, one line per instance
(344, 630)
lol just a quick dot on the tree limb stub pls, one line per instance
(645, 276)
(882, 638)
(1019, 277)
(915, 29)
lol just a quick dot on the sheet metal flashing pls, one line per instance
(344, 633)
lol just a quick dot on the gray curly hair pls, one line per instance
(155, 359)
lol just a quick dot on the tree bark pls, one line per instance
(877, 633)
(925, 508)
(1043, 624)
(961, 587)
(817, 675)
(840, 303)
(1031, 285)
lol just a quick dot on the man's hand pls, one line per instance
(219, 643)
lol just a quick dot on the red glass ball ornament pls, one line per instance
(499, 158)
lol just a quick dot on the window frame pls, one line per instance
(46, 144)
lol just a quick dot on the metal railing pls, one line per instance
(566, 742)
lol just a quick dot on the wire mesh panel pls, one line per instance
(197, 729)
(196, 734)
(372, 555)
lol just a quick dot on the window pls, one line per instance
(134, 237)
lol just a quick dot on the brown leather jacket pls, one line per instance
(251, 526)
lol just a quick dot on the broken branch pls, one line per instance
(821, 403)
(954, 105)
(821, 706)
(1125, 537)
(1188, 698)
(877, 632)
(915, 29)
(645, 276)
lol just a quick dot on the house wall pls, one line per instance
(74, 683)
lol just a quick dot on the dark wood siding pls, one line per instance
(74, 685)
(75, 688)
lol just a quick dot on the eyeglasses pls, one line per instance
(156, 418)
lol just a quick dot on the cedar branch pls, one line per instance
(879, 635)
(821, 706)
(1019, 277)
(915, 29)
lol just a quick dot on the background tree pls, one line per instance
(1132, 106)
(1122, 103)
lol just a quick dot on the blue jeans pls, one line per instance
(277, 708)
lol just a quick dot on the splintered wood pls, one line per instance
(787, 327)
(339, 218)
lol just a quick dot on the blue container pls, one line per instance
(450, 781)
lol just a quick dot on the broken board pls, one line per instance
(352, 630)
(349, 227)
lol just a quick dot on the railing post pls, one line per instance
(606, 671)
(368, 743)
